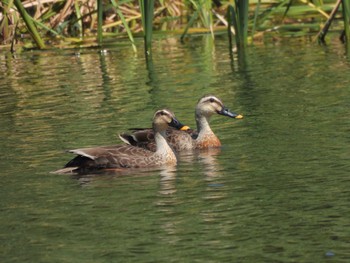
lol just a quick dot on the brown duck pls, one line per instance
(128, 156)
(183, 139)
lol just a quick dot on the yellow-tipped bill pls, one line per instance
(185, 128)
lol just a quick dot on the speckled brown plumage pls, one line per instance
(128, 156)
(177, 139)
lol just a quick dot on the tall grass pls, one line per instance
(77, 21)
(189, 24)
(323, 32)
(99, 21)
(5, 26)
(237, 16)
(147, 10)
(30, 25)
(203, 9)
(125, 23)
(346, 16)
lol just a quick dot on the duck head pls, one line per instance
(209, 105)
(164, 118)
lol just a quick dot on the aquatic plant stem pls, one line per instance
(147, 11)
(255, 20)
(323, 32)
(189, 24)
(237, 16)
(127, 28)
(30, 25)
(346, 16)
(79, 18)
(99, 21)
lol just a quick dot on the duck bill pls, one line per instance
(185, 128)
(178, 125)
(226, 112)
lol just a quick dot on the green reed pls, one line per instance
(322, 34)
(99, 21)
(237, 16)
(202, 10)
(70, 22)
(125, 23)
(147, 11)
(346, 18)
(5, 23)
(30, 24)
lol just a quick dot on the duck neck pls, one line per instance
(163, 147)
(203, 125)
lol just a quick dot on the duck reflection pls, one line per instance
(214, 174)
(167, 181)
(184, 188)
(208, 157)
(165, 173)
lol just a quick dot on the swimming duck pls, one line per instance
(128, 156)
(186, 139)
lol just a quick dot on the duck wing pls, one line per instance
(104, 157)
(144, 138)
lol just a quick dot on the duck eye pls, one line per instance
(211, 100)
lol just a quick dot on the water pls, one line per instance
(277, 191)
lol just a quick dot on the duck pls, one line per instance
(128, 156)
(184, 138)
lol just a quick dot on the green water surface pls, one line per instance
(277, 191)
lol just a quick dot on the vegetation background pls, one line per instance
(63, 23)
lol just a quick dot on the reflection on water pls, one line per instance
(277, 191)
(211, 167)
(166, 173)
(167, 181)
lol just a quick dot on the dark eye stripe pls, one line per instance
(211, 100)
(163, 112)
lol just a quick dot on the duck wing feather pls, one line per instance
(144, 138)
(115, 156)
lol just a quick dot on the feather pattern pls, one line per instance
(128, 156)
